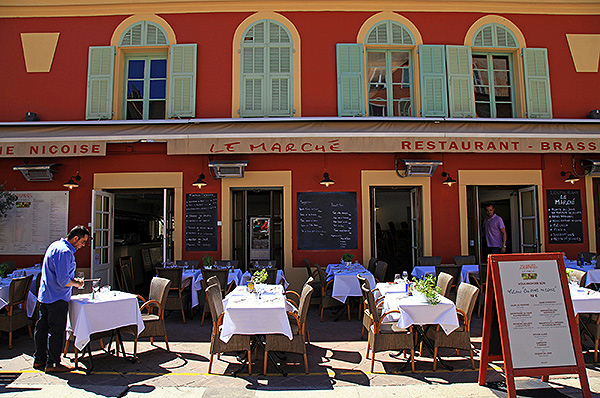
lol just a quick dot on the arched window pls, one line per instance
(144, 33)
(494, 35)
(266, 68)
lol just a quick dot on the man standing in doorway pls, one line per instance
(495, 232)
(58, 276)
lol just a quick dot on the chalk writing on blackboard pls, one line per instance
(201, 222)
(565, 216)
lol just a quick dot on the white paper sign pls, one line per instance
(536, 315)
(38, 219)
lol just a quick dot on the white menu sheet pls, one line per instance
(536, 315)
(38, 219)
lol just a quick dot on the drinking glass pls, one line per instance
(96, 286)
(80, 276)
(405, 275)
(397, 278)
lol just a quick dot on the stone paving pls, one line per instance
(337, 366)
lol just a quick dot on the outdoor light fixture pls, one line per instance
(73, 182)
(571, 178)
(326, 180)
(448, 181)
(417, 168)
(37, 172)
(200, 181)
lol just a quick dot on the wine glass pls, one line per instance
(397, 278)
(96, 286)
(80, 276)
(405, 275)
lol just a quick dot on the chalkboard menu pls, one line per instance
(201, 222)
(565, 221)
(326, 220)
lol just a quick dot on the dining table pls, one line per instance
(345, 282)
(101, 312)
(235, 275)
(420, 271)
(592, 273)
(257, 314)
(418, 313)
(280, 279)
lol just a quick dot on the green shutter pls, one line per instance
(460, 81)
(253, 82)
(537, 83)
(182, 81)
(432, 63)
(101, 62)
(350, 78)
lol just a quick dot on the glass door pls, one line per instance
(102, 233)
(528, 220)
(168, 224)
(415, 217)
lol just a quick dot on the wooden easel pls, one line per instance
(495, 306)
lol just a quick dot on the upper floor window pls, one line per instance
(389, 49)
(145, 65)
(266, 57)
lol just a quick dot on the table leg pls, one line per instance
(422, 336)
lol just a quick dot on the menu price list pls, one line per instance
(565, 216)
(201, 222)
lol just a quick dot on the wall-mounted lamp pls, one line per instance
(73, 182)
(326, 180)
(571, 178)
(448, 181)
(200, 181)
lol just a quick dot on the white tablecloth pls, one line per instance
(4, 293)
(345, 282)
(107, 312)
(414, 311)
(245, 313)
(421, 270)
(585, 300)
(593, 273)
(280, 280)
(234, 276)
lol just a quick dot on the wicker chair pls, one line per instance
(386, 336)
(279, 342)
(579, 275)
(460, 338)
(380, 271)
(217, 346)
(450, 269)
(316, 296)
(12, 317)
(429, 260)
(464, 260)
(153, 313)
(222, 276)
(444, 281)
(367, 319)
(179, 293)
(326, 300)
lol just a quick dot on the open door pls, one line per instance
(168, 224)
(102, 233)
(528, 220)
(415, 218)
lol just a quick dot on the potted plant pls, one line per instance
(347, 258)
(428, 288)
(207, 261)
(3, 268)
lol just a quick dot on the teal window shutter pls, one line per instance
(182, 81)
(101, 63)
(350, 79)
(460, 81)
(537, 83)
(432, 61)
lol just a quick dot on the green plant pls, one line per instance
(347, 257)
(568, 271)
(3, 268)
(260, 276)
(428, 287)
(207, 261)
(7, 200)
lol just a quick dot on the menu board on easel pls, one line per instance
(538, 331)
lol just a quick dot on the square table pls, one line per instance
(421, 270)
(280, 280)
(345, 282)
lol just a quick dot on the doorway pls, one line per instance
(518, 208)
(257, 225)
(396, 227)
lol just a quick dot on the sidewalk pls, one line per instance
(337, 367)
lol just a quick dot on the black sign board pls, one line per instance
(201, 222)
(326, 220)
(565, 220)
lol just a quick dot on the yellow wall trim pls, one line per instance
(496, 177)
(106, 181)
(38, 50)
(585, 51)
(389, 178)
(591, 212)
(64, 8)
(237, 60)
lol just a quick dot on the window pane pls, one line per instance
(402, 107)
(158, 68)
(480, 77)
(377, 91)
(136, 69)
(157, 109)
(376, 58)
(503, 110)
(377, 108)
(502, 78)
(135, 110)
(500, 62)
(135, 89)
(400, 59)
(480, 62)
(503, 94)
(482, 94)
(482, 109)
(158, 89)
(401, 92)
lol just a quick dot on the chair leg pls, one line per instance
(362, 332)
(202, 320)
(372, 362)
(596, 351)
(10, 340)
(472, 360)
(368, 348)
(265, 364)
(210, 362)
(305, 363)
(307, 336)
(66, 348)
(435, 353)
(30, 333)
(134, 348)
(182, 313)
(250, 361)
(321, 314)
(412, 360)
(167, 343)
(348, 307)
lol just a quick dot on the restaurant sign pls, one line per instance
(52, 149)
(353, 143)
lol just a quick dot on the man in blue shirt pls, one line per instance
(58, 276)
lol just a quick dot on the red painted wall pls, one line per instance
(60, 94)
